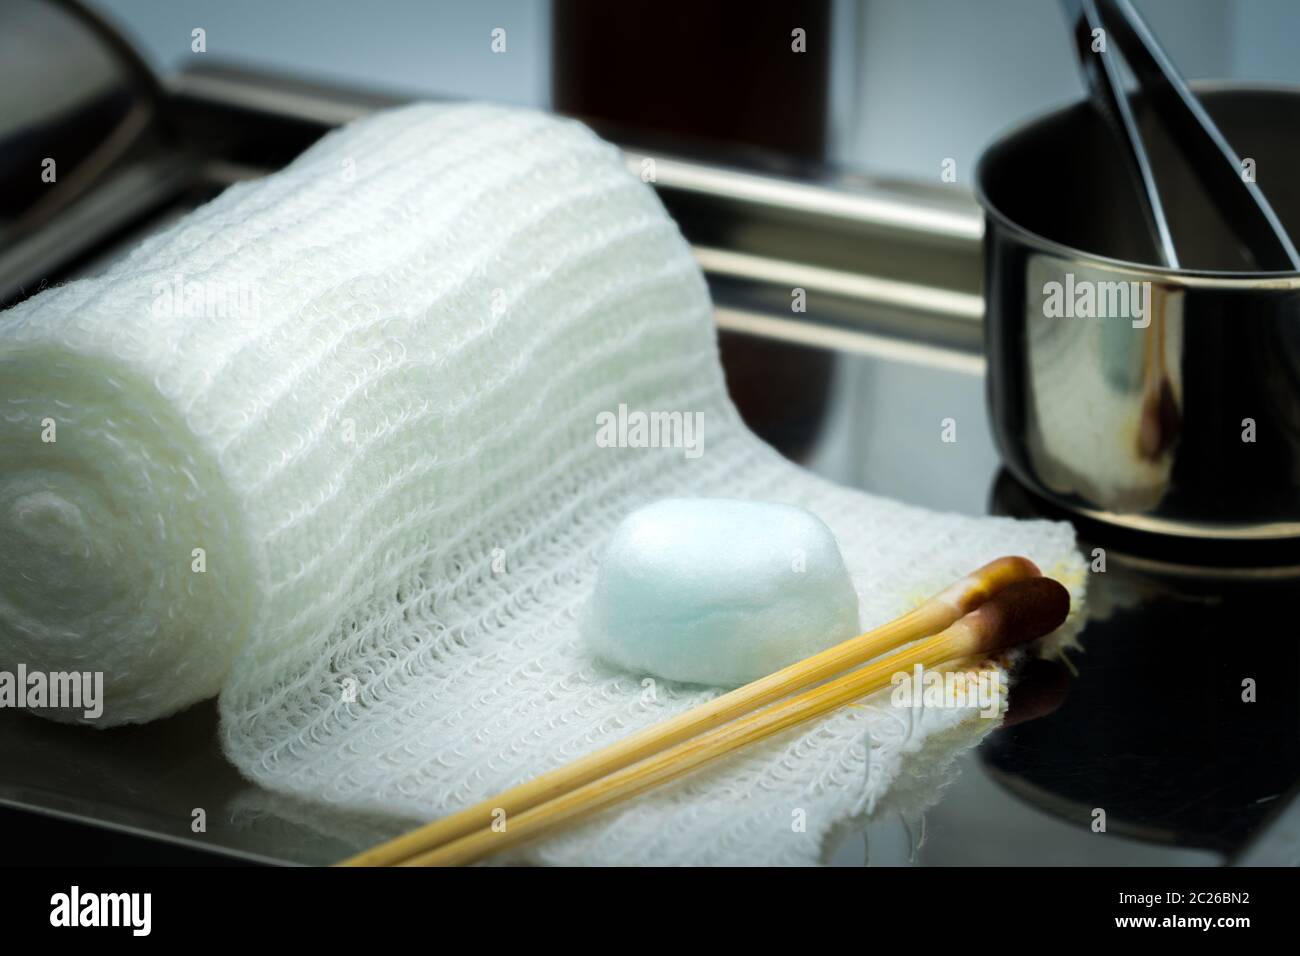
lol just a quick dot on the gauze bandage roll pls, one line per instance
(332, 446)
(106, 520)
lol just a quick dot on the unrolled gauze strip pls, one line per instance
(329, 445)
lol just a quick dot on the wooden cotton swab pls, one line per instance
(1021, 612)
(934, 615)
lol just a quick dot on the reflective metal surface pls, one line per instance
(1167, 401)
(66, 121)
(1165, 724)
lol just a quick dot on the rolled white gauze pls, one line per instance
(107, 521)
(334, 437)
(718, 591)
(304, 413)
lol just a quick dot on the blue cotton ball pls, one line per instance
(718, 591)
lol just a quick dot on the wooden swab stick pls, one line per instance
(934, 615)
(1021, 612)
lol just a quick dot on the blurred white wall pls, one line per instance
(1263, 40)
(913, 81)
(409, 46)
(938, 79)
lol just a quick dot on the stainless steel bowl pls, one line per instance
(1161, 400)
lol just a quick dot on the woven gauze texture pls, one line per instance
(327, 447)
